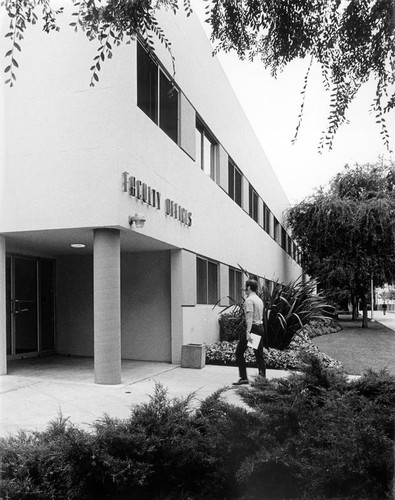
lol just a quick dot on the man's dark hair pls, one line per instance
(253, 284)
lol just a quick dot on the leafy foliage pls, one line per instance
(287, 308)
(352, 41)
(311, 436)
(223, 353)
(346, 233)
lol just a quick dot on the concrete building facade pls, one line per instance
(77, 275)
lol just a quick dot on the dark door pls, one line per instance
(30, 285)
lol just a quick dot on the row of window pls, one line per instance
(207, 282)
(158, 97)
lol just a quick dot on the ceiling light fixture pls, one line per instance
(78, 245)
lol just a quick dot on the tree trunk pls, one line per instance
(364, 304)
(354, 306)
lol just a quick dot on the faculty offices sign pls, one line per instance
(152, 197)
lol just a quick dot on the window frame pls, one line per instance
(207, 295)
(204, 134)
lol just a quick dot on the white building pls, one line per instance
(78, 161)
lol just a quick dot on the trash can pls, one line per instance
(193, 356)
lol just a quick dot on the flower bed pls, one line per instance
(223, 353)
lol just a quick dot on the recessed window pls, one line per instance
(206, 151)
(235, 284)
(266, 218)
(207, 281)
(156, 94)
(147, 84)
(276, 230)
(234, 182)
(253, 203)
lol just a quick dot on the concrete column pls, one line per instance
(107, 306)
(183, 294)
(3, 322)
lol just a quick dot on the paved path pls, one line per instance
(37, 389)
(359, 349)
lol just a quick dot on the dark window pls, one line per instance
(276, 230)
(266, 218)
(235, 284)
(283, 239)
(206, 148)
(253, 203)
(207, 281)
(168, 112)
(234, 182)
(156, 94)
(147, 84)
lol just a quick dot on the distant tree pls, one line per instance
(347, 232)
(352, 40)
(388, 294)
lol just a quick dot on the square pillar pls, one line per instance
(183, 294)
(3, 321)
(107, 306)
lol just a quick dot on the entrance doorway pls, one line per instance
(30, 292)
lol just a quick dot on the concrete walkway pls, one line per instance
(37, 389)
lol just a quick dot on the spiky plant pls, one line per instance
(287, 309)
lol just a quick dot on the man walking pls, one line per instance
(253, 308)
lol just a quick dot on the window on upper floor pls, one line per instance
(234, 182)
(235, 284)
(253, 203)
(207, 281)
(206, 150)
(266, 218)
(276, 230)
(156, 94)
(283, 242)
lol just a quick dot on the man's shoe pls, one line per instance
(241, 381)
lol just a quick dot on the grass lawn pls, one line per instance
(360, 348)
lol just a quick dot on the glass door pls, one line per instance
(30, 306)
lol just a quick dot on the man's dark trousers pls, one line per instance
(241, 349)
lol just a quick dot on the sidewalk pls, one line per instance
(359, 349)
(37, 389)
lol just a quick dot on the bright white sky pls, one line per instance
(272, 107)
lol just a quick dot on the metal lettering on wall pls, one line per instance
(175, 210)
(141, 191)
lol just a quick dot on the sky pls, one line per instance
(272, 107)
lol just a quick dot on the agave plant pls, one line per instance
(287, 309)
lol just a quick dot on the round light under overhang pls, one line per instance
(78, 245)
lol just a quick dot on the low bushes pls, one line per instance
(311, 436)
(223, 353)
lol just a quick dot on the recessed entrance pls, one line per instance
(30, 293)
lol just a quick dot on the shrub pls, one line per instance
(286, 310)
(324, 326)
(311, 436)
(231, 325)
(329, 438)
(223, 353)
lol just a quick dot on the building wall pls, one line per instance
(67, 145)
(145, 306)
(74, 305)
